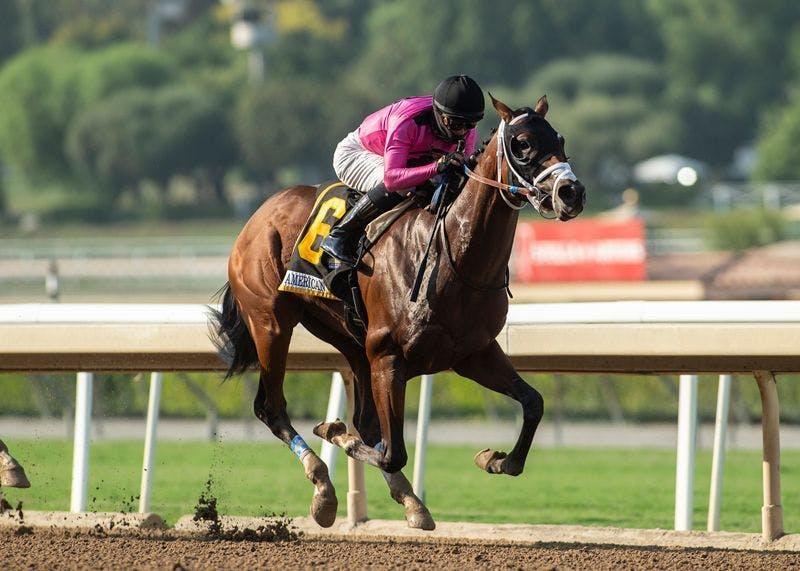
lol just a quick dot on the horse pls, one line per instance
(452, 326)
(12, 474)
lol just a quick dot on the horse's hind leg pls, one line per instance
(12, 473)
(493, 369)
(272, 342)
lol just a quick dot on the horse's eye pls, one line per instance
(520, 148)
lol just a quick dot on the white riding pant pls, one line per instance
(356, 166)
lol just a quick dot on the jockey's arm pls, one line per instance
(396, 175)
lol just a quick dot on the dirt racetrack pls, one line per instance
(69, 549)
(58, 540)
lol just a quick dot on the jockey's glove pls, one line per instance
(456, 160)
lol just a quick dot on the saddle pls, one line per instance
(311, 271)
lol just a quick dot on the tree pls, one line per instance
(610, 109)
(120, 67)
(11, 39)
(292, 124)
(193, 136)
(42, 90)
(777, 154)
(413, 44)
(152, 135)
(86, 23)
(3, 201)
(37, 97)
(726, 59)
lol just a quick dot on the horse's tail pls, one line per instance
(230, 335)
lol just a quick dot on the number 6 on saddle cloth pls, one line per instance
(313, 272)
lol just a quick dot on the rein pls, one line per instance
(530, 190)
(442, 207)
(439, 229)
(443, 231)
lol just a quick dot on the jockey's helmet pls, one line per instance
(458, 106)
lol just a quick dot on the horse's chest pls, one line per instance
(438, 338)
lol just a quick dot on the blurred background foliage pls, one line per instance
(107, 103)
(573, 397)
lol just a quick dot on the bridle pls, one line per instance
(530, 190)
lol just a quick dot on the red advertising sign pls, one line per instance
(580, 250)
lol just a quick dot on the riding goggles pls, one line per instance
(458, 123)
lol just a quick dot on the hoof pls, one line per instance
(329, 430)
(14, 478)
(490, 460)
(323, 509)
(421, 519)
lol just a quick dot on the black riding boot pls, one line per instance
(342, 241)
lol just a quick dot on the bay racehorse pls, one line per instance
(451, 325)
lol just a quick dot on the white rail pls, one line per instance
(628, 337)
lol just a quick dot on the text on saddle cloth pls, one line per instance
(309, 266)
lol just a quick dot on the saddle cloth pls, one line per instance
(310, 269)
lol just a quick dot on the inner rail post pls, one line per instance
(687, 441)
(772, 511)
(421, 447)
(80, 453)
(151, 432)
(718, 459)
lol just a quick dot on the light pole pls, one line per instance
(159, 11)
(249, 32)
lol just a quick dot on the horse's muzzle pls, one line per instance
(569, 199)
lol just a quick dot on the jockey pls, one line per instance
(399, 147)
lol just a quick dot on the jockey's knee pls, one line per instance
(383, 199)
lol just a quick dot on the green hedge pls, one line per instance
(569, 397)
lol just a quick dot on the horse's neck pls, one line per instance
(481, 225)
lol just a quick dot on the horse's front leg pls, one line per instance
(417, 514)
(389, 394)
(493, 369)
(367, 445)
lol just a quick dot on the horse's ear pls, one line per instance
(542, 106)
(505, 112)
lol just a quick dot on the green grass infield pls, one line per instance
(594, 487)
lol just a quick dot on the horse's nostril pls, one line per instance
(573, 193)
(568, 193)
